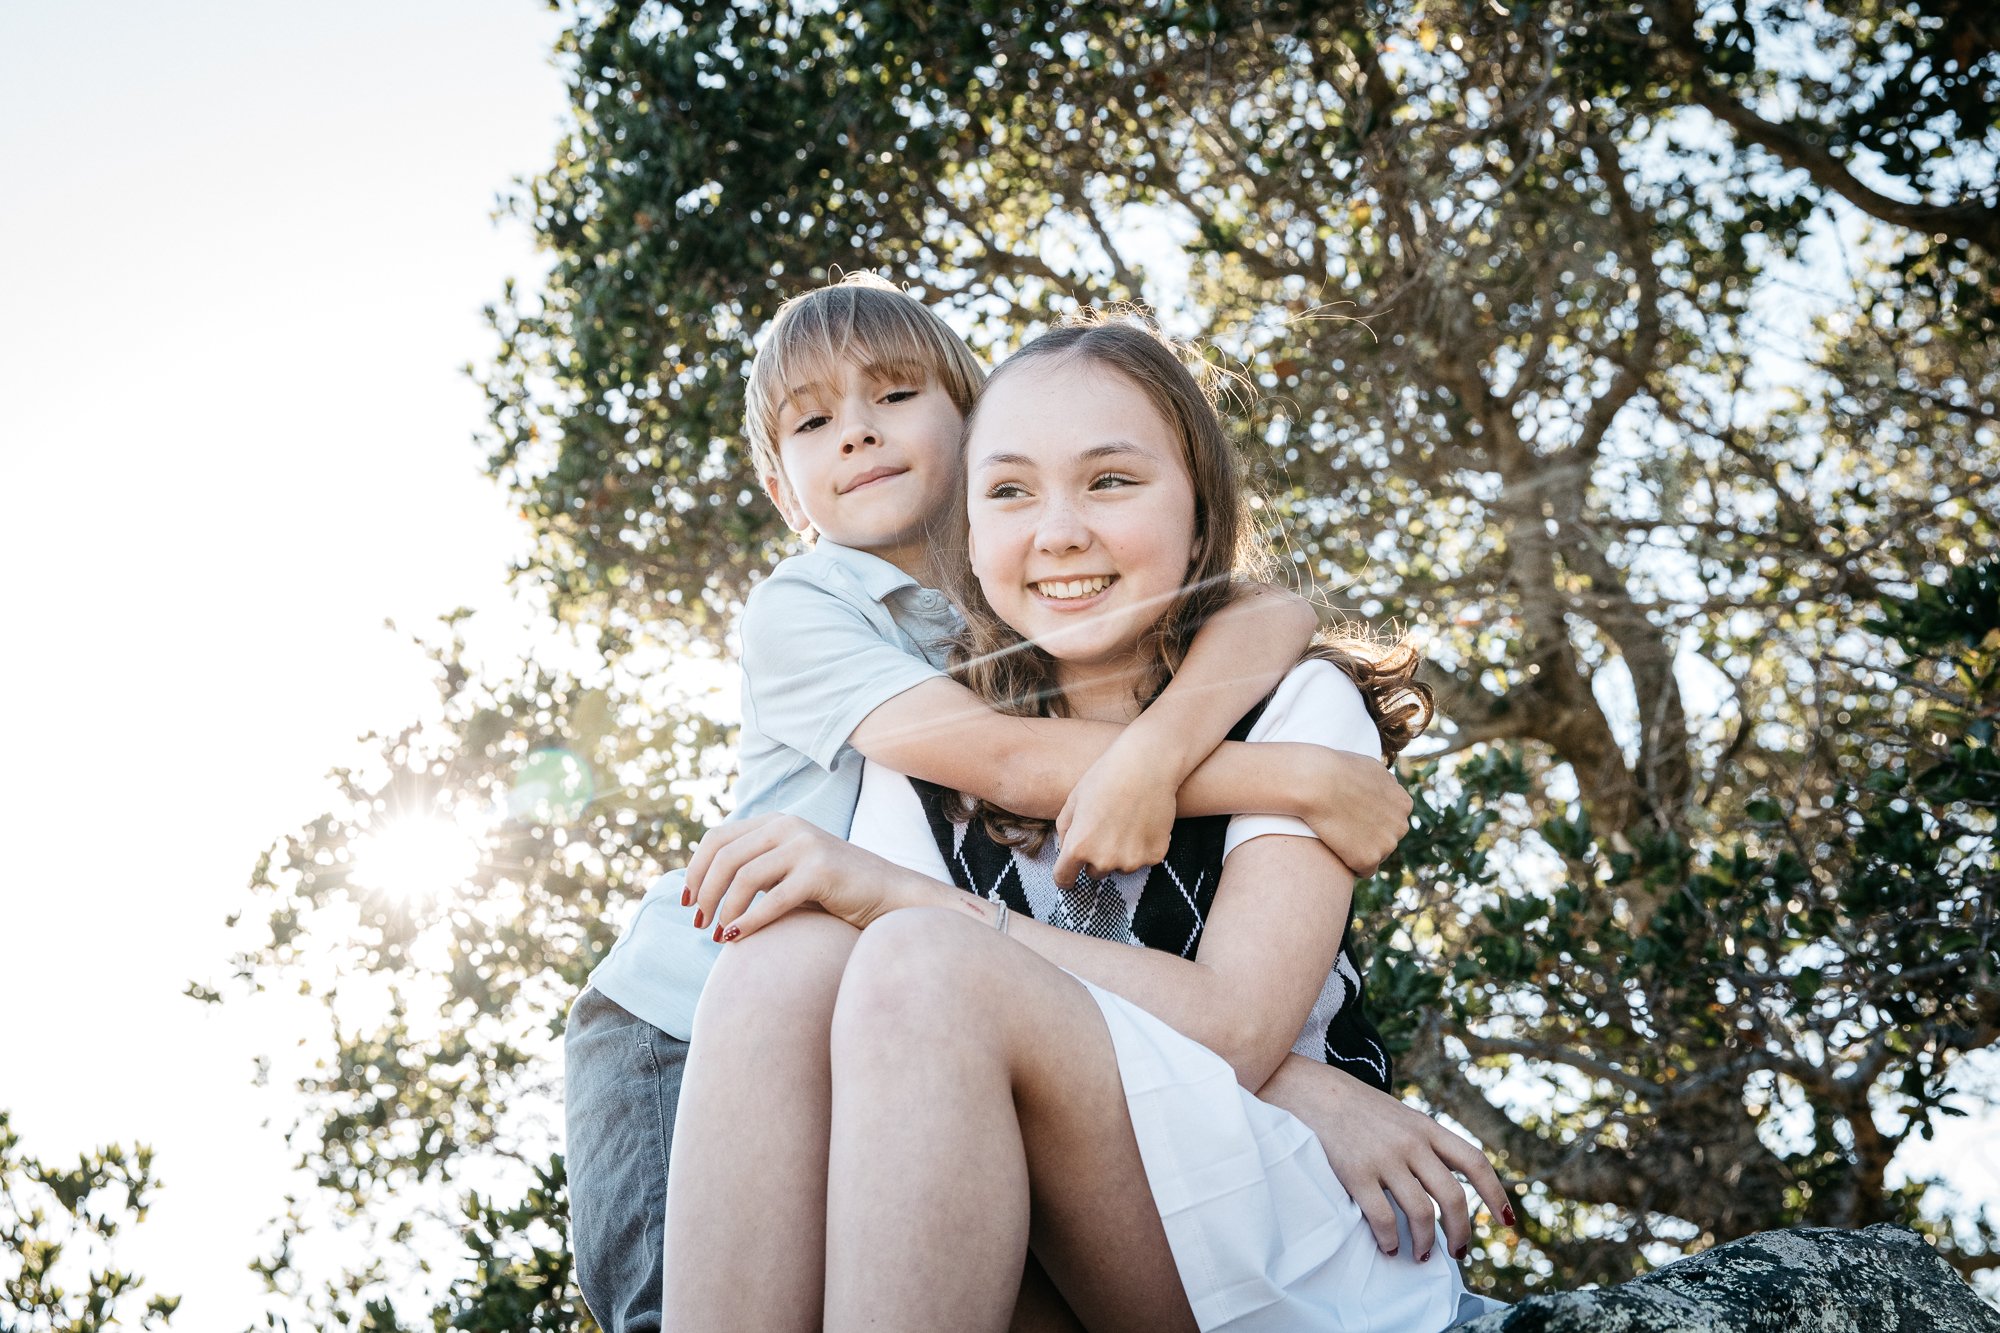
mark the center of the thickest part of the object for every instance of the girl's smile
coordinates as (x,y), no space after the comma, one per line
(1072,594)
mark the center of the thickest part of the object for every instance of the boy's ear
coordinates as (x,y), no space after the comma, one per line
(780,491)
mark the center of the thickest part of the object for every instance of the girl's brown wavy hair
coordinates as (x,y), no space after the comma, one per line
(1018,678)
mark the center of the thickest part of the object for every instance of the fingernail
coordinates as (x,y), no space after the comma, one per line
(1507,1214)
(697,918)
(1392,1251)
(1459,1254)
(718,935)
(730,934)
(1424,1258)
(687,897)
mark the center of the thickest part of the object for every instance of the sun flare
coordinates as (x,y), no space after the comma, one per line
(415,857)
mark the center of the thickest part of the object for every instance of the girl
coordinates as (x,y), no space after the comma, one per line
(983,1098)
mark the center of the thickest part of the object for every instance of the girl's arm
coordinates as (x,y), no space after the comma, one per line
(1121,812)
(1268,943)
(944,733)
(1381,1148)
(1269,940)
(1270,936)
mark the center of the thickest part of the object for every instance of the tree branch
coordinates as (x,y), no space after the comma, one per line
(1636,365)
(1581,1061)
(1802,146)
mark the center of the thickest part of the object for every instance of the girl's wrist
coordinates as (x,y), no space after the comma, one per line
(913,890)
(1316,797)
(1164,746)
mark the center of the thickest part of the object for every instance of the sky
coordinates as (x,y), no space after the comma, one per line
(243,253)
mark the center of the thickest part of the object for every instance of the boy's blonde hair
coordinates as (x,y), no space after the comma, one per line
(861,319)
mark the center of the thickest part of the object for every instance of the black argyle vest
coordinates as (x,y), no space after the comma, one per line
(1170,910)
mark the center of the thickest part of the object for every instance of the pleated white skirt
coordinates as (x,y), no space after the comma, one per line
(1264,1235)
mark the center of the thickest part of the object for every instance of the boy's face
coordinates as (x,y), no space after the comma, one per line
(868,461)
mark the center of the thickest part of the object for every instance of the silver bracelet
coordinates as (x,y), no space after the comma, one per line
(1000,922)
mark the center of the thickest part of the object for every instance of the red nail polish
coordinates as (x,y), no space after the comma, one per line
(1392,1251)
(1459,1254)
(730,934)
(1424,1258)
(697,918)
(1507,1214)
(687,897)
(718,934)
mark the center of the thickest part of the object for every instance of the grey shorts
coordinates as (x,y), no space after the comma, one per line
(621,1083)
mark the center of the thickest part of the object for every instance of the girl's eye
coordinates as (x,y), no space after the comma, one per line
(1112,479)
(1006,490)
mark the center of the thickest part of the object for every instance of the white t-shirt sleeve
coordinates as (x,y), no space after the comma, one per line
(1317,703)
(889,821)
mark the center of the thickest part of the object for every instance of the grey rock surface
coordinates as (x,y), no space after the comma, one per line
(1804,1280)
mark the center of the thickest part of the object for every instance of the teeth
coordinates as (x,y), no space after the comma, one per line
(1065,589)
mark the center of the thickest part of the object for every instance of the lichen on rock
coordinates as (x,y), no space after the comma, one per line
(1884,1279)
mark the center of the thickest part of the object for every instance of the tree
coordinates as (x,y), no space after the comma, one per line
(1642,357)
(57,1228)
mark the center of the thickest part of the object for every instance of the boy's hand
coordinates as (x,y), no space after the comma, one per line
(1375,1143)
(1358,809)
(1120,814)
(792,864)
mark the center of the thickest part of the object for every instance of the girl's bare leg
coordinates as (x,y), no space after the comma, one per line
(976,1107)
(1040,1308)
(746,1211)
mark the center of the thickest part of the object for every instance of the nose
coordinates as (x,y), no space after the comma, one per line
(858,432)
(1060,527)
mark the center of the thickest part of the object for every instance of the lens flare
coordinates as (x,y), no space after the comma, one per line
(415,858)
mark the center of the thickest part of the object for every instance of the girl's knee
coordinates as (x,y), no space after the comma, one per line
(915,969)
(785,973)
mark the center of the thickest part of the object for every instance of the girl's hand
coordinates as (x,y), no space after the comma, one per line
(1374,1143)
(1357,808)
(792,864)
(1120,814)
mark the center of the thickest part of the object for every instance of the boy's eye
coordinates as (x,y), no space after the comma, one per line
(899,395)
(811,421)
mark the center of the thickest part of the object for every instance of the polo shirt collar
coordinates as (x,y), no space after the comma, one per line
(877,577)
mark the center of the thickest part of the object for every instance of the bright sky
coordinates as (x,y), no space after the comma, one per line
(243,251)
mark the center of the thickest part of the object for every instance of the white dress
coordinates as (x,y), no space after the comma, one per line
(1263,1234)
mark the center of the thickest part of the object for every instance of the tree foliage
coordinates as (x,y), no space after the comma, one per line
(1640,357)
(58,1227)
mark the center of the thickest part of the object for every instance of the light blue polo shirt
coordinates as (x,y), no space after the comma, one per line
(827,638)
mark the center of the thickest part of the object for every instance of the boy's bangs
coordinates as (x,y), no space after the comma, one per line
(860,323)
(815,348)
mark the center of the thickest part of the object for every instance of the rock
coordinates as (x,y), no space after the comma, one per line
(1804,1280)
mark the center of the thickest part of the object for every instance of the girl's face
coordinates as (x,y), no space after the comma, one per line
(1081,510)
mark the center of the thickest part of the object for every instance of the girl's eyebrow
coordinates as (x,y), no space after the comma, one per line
(1112,448)
(1109,449)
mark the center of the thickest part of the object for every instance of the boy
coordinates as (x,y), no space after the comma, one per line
(855,407)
